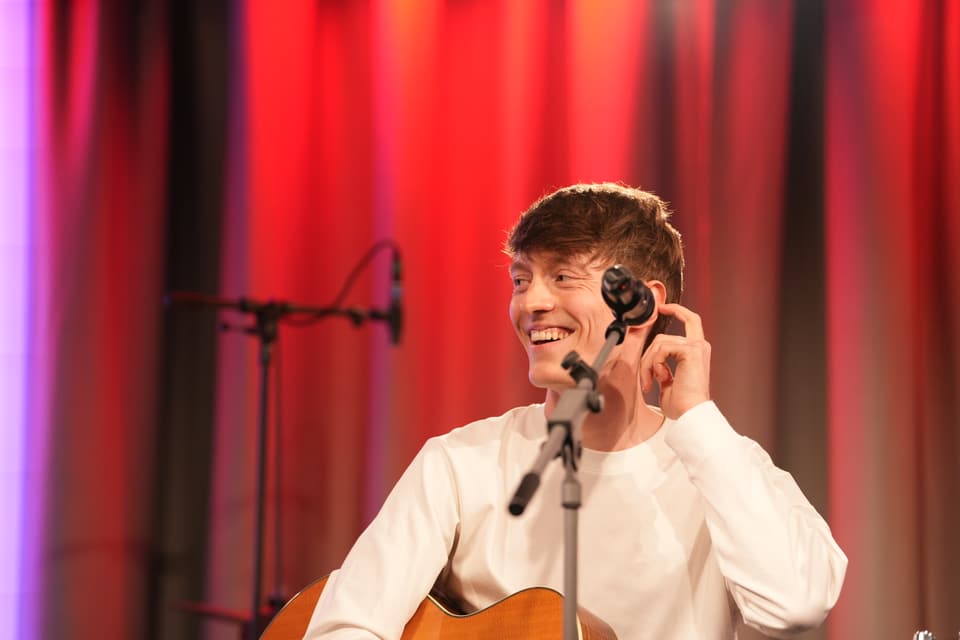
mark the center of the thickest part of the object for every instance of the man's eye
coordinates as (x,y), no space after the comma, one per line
(519,282)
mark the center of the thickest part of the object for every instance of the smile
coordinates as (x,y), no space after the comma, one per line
(551,334)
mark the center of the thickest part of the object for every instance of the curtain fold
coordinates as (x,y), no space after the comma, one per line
(437,127)
(98,232)
(259,150)
(892,316)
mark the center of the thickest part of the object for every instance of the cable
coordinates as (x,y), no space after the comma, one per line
(347,283)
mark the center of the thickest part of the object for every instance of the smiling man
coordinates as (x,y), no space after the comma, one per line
(686,529)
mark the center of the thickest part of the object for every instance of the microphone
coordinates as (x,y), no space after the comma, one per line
(628,297)
(395,313)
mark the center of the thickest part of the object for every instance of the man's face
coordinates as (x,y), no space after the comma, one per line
(557,308)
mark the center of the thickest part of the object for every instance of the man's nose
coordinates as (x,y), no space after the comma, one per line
(539,296)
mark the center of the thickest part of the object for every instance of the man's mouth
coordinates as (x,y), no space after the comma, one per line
(544,336)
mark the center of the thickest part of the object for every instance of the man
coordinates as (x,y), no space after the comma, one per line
(686,527)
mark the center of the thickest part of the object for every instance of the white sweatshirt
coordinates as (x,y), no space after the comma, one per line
(680,536)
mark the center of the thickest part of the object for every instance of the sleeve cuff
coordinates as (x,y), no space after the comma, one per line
(699,433)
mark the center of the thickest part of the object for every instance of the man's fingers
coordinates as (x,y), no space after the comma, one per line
(692,323)
(684,352)
(666,346)
(688,383)
(663,373)
(659,371)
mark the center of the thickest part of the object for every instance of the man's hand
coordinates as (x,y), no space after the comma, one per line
(689,383)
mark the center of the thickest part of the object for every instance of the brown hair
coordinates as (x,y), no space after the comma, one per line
(609,222)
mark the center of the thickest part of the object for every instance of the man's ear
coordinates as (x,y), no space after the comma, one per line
(659,292)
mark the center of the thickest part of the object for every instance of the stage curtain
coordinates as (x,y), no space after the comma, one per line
(435,127)
(97,237)
(893,273)
(809,150)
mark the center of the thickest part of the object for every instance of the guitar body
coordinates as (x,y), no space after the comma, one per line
(530,614)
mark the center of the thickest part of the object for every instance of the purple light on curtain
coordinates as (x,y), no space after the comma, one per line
(16,162)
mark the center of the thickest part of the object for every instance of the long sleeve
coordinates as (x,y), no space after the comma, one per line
(780,562)
(396,560)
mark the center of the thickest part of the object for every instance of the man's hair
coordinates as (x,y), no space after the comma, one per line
(607,222)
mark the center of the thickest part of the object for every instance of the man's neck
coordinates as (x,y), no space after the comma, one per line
(626,419)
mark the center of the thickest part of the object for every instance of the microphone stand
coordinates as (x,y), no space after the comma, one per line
(267,316)
(563,428)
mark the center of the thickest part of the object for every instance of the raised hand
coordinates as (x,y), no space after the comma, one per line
(687,384)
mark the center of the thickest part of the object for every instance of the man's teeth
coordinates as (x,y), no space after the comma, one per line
(539,336)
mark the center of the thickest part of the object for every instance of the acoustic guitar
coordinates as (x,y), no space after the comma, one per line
(534,614)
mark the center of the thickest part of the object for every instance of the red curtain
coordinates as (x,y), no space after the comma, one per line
(435,126)
(893,235)
(97,266)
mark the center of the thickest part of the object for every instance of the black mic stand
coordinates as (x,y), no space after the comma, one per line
(563,439)
(267,316)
